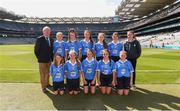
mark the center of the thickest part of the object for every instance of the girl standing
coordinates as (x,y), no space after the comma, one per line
(100,46)
(72,44)
(59,44)
(115,47)
(86,43)
(133,49)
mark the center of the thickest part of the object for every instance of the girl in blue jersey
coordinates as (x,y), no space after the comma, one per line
(115,47)
(57,73)
(106,73)
(100,46)
(72,44)
(59,44)
(86,43)
(124,71)
(73,71)
(89,66)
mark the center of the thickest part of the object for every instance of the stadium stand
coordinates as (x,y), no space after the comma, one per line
(163,40)
(164,18)
(167,14)
(14,40)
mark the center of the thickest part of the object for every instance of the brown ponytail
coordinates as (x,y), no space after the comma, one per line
(104,41)
(78,63)
(105,44)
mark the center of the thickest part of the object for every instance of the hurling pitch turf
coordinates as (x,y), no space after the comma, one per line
(28,96)
(158,82)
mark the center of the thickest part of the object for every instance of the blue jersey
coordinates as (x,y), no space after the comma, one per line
(75,45)
(59,47)
(124,68)
(72,70)
(85,45)
(115,49)
(98,48)
(57,73)
(106,68)
(89,68)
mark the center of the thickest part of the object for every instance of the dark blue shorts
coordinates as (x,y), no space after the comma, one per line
(99,58)
(106,80)
(83,57)
(89,83)
(73,84)
(115,58)
(123,83)
(58,86)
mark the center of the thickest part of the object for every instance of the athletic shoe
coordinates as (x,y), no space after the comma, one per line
(49,86)
(133,88)
(44,90)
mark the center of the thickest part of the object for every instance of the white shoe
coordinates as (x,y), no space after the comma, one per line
(133,88)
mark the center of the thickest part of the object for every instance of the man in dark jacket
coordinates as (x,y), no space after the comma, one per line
(44,53)
(133,49)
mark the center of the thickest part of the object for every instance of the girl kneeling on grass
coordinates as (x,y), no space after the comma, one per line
(73,71)
(57,73)
(89,66)
(124,71)
(106,73)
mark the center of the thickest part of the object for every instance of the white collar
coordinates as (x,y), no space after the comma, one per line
(99,43)
(71,62)
(122,61)
(86,40)
(46,38)
(106,62)
(59,65)
(71,41)
(90,60)
(59,41)
(115,43)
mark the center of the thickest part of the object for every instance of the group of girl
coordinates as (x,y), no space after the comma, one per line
(96,64)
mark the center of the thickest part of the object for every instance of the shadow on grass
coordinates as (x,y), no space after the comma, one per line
(141,99)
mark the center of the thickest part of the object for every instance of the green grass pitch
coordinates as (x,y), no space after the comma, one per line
(158,78)
(18,64)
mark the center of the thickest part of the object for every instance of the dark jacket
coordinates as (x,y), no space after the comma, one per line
(133,49)
(42,50)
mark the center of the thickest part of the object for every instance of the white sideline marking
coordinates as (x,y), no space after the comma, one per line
(14,69)
(157,70)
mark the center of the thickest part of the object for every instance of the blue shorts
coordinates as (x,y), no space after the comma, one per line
(58,86)
(115,58)
(123,83)
(73,84)
(89,83)
(99,58)
(83,57)
(106,80)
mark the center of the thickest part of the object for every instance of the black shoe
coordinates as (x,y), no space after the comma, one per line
(44,90)
(48,86)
